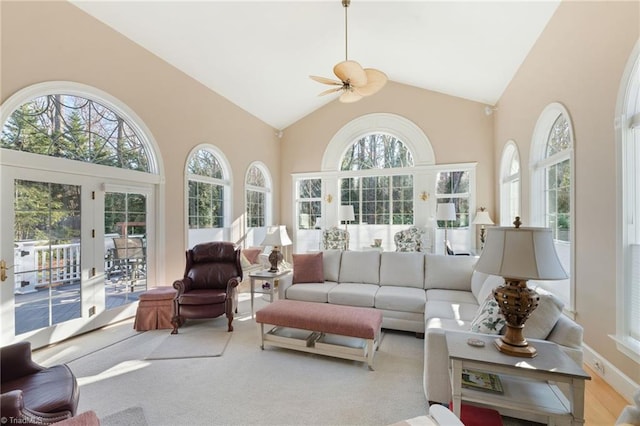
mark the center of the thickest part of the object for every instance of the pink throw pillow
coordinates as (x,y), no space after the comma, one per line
(308,268)
(252,254)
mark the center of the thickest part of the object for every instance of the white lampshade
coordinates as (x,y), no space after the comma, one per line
(521,253)
(482,218)
(277,237)
(346,213)
(446,211)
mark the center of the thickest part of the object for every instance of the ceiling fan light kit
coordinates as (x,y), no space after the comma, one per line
(355,82)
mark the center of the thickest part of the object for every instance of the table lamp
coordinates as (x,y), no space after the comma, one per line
(518,255)
(276,237)
(482,218)
(446,212)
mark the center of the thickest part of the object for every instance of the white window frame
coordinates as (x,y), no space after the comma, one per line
(510,154)
(538,165)
(627,129)
(266,190)
(213,234)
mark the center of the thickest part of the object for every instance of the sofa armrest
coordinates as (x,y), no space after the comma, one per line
(15,361)
(437,387)
(12,408)
(283,284)
(568,334)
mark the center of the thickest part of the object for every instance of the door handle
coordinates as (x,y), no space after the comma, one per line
(3,270)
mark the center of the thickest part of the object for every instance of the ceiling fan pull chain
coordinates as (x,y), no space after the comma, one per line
(345,3)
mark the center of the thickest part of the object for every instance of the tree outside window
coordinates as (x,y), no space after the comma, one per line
(383,199)
(309,202)
(256,193)
(206,191)
(453,187)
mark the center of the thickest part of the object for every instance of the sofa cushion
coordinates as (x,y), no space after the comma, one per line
(310,292)
(488,286)
(360,267)
(450,272)
(452,296)
(252,254)
(403,299)
(402,269)
(477,280)
(456,311)
(447,324)
(308,268)
(331,261)
(545,316)
(489,319)
(354,294)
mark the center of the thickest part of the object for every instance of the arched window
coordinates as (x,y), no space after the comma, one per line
(257,196)
(75,128)
(628,281)
(509,184)
(383,198)
(552,189)
(208,189)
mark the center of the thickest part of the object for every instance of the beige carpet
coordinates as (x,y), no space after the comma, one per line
(195,339)
(245,386)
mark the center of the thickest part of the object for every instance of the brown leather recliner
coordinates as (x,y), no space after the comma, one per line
(209,286)
(33,394)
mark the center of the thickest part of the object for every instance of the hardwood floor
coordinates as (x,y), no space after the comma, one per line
(602,403)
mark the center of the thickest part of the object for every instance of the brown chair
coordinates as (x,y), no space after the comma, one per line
(208,288)
(33,394)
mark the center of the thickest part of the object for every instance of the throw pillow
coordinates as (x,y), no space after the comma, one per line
(308,268)
(489,319)
(545,317)
(244,262)
(252,254)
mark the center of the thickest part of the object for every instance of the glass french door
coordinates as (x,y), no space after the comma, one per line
(125,236)
(63,269)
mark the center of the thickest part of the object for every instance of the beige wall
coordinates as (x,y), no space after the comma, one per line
(47,41)
(458,129)
(578,61)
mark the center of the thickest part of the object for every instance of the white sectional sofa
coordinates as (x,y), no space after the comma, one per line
(423,293)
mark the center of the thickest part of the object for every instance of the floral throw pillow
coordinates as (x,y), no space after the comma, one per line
(489,319)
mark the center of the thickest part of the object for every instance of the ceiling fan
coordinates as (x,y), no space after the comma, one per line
(355,82)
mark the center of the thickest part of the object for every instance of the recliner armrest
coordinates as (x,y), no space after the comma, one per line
(182,285)
(16,362)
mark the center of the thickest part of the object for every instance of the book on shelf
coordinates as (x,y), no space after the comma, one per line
(481,380)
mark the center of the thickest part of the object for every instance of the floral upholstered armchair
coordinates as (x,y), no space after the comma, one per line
(411,239)
(335,238)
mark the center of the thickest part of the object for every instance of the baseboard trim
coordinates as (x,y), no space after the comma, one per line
(612,375)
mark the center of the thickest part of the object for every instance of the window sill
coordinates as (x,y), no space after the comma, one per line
(628,346)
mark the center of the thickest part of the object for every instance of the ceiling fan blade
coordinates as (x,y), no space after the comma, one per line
(349,96)
(326,92)
(375,81)
(352,72)
(325,80)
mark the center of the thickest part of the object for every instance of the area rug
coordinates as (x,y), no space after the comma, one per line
(194,340)
(133,416)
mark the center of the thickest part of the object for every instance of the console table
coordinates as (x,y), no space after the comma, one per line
(529,384)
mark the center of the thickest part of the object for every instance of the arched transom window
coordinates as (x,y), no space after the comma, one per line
(75,128)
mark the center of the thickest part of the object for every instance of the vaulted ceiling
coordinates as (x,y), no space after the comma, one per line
(259,54)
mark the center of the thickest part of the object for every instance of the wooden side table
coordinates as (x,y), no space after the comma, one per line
(266,277)
(529,383)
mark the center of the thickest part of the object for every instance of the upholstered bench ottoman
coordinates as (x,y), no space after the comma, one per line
(335,330)
(155,309)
